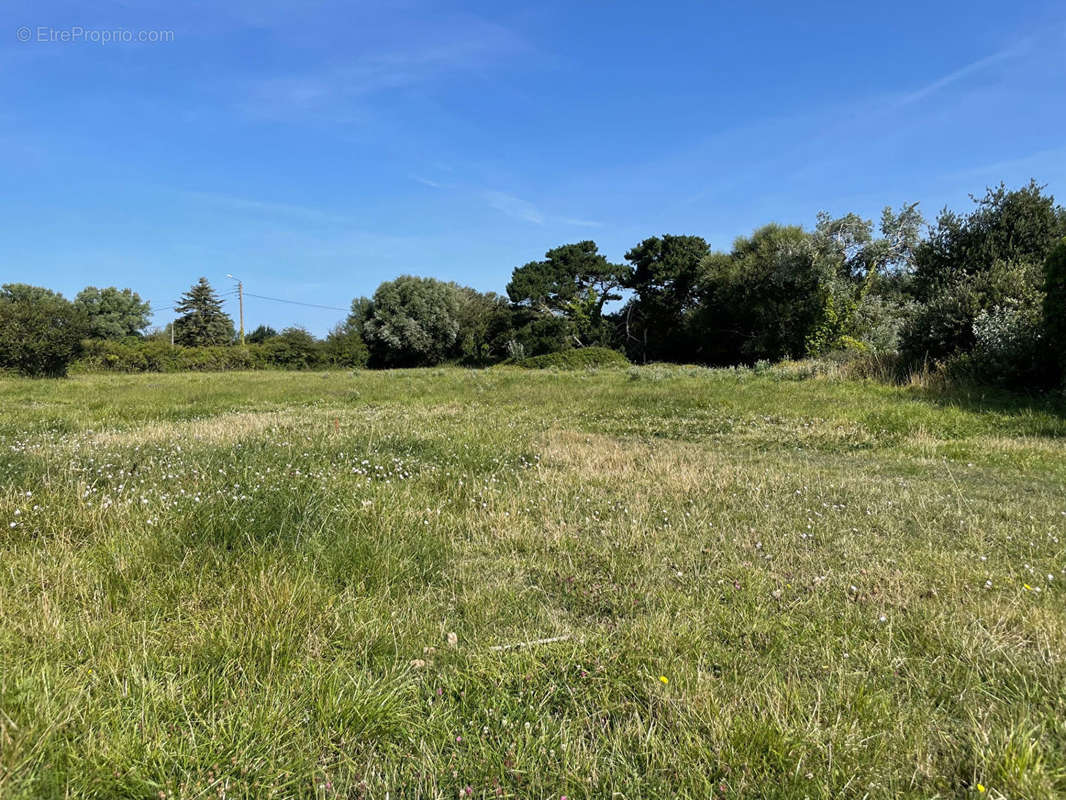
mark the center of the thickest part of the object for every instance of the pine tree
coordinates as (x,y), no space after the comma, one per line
(202,321)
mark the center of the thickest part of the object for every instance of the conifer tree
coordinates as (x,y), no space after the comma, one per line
(202,321)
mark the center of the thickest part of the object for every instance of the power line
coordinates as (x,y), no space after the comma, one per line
(293,302)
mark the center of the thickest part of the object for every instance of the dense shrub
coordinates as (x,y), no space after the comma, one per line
(537,334)
(101,355)
(150,355)
(40,331)
(1055,305)
(344,347)
(980,283)
(1009,346)
(215,359)
(288,350)
(293,348)
(944,325)
(879,320)
(577,358)
(941,327)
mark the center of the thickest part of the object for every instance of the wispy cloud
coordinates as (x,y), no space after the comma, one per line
(1041,162)
(524,211)
(460,46)
(427,182)
(291,210)
(514,207)
(961,74)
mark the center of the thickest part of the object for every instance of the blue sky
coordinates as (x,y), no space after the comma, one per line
(318,148)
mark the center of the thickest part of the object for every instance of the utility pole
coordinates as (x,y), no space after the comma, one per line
(240,300)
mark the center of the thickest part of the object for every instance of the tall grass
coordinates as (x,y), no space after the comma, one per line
(655,582)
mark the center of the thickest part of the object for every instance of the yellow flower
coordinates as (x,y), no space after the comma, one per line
(1028,588)
(664,679)
(980,788)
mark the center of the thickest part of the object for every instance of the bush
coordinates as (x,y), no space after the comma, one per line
(878,322)
(944,326)
(344,347)
(146,355)
(1055,304)
(578,358)
(537,334)
(1009,348)
(216,358)
(291,351)
(516,351)
(293,348)
(40,331)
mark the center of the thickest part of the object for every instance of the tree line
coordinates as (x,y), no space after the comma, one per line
(980,294)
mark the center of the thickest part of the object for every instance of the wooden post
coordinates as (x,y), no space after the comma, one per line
(240,297)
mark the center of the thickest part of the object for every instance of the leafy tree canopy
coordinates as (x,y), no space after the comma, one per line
(667,268)
(852,262)
(113,313)
(763,299)
(1014,226)
(414,322)
(664,275)
(485,324)
(571,277)
(361,309)
(978,264)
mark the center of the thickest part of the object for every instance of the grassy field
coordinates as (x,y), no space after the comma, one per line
(337,585)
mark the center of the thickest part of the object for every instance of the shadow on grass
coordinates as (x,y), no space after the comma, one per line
(1042,414)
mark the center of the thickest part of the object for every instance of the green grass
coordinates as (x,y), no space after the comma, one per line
(245,584)
(576,358)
